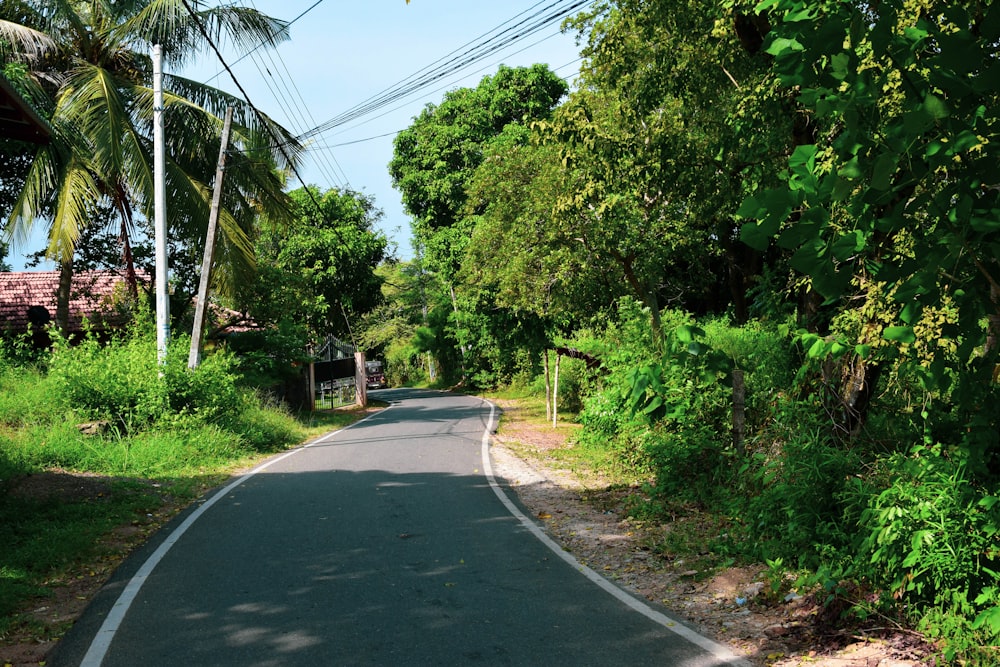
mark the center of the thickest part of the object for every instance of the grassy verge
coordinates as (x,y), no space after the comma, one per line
(72,506)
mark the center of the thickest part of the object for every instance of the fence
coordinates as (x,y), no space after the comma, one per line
(335,393)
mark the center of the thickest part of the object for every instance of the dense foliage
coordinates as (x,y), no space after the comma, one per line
(798,194)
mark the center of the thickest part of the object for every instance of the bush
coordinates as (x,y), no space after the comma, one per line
(930,532)
(118,381)
(930,539)
(797,489)
(209,391)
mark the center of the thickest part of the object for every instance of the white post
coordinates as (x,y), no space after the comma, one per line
(555,393)
(360,380)
(160,210)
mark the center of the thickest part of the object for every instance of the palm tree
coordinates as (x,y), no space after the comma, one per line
(88,63)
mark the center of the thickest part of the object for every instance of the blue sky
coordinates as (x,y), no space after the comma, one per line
(343,53)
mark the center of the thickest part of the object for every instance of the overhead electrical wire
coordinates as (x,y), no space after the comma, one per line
(280,145)
(395,132)
(457,61)
(298,111)
(440,88)
(259,46)
(510,32)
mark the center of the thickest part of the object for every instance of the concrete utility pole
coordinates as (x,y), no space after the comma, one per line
(194,357)
(160,210)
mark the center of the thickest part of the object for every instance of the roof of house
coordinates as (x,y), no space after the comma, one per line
(31,296)
(17,119)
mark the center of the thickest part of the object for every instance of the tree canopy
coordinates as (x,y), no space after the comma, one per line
(319,270)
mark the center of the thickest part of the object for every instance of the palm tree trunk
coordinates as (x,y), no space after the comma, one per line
(63,295)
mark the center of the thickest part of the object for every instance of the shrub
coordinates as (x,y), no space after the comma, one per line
(118,381)
(930,532)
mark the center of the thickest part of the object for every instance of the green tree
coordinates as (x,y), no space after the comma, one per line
(89,65)
(319,270)
(660,145)
(433,162)
(898,191)
(436,156)
(520,250)
(389,331)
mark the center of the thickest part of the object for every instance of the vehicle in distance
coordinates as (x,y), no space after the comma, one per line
(374,375)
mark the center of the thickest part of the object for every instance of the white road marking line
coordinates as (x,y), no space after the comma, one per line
(102,640)
(717,650)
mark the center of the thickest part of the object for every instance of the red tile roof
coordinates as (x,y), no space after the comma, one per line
(90,296)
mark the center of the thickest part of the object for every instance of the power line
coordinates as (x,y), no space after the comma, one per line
(264,42)
(298,111)
(479,51)
(390,134)
(499,38)
(263,119)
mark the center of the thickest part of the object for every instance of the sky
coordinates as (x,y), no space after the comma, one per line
(342,54)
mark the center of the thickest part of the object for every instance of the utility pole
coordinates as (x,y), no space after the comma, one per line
(160,210)
(194,357)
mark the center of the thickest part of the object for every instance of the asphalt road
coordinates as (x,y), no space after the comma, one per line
(382,544)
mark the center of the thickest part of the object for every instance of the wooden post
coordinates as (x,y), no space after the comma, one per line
(194,356)
(312,386)
(739,411)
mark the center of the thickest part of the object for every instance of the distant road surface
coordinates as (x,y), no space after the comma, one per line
(386,543)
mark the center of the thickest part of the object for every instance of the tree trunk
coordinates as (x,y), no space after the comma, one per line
(63,295)
(993,331)
(859,381)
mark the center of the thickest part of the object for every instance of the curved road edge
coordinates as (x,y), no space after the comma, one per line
(98,648)
(717,650)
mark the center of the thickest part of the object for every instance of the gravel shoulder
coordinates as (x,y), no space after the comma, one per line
(584,515)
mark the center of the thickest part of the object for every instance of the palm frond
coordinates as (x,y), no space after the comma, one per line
(253,128)
(31,202)
(21,43)
(92,101)
(78,193)
(170,24)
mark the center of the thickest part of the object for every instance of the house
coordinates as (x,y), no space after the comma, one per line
(18,120)
(29,298)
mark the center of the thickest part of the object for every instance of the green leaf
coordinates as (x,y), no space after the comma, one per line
(936,107)
(803,156)
(986,224)
(989,502)
(655,404)
(840,66)
(884,170)
(818,349)
(848,245)
(686,333)
(989,618)
(784,45)
(900,334)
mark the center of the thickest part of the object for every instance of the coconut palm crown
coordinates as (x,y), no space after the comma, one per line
(87,65)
